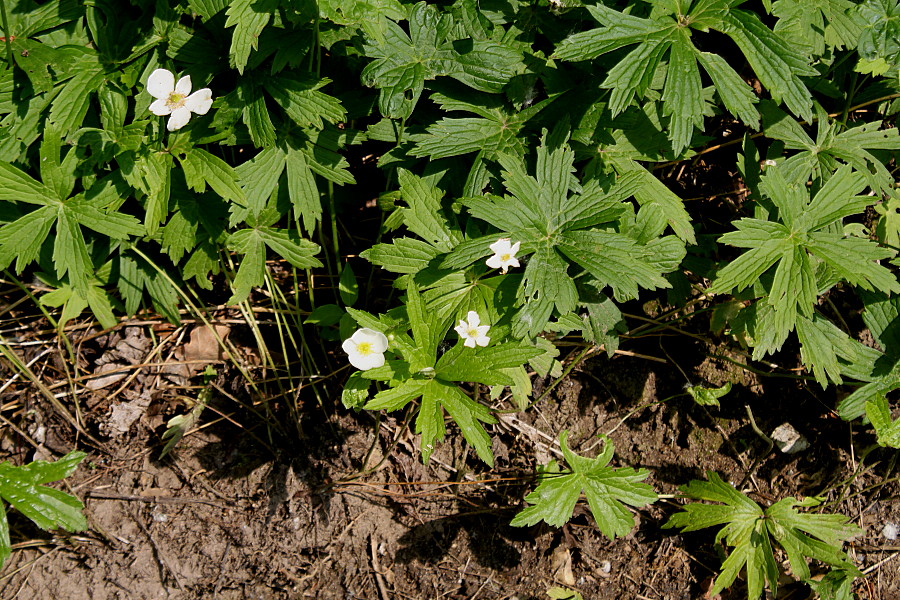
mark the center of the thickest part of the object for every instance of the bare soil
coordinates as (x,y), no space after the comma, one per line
(293,496)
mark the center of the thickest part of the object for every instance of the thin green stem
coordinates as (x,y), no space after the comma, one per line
(7,35)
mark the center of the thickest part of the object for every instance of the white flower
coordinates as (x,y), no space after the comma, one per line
(366,348)
(504,255)
(472,331)
(176,99)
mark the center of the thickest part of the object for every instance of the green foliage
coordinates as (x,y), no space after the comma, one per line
(421,373)
(888,430)
(179,425)
(570,129)
(667,34)
(797,252)
(608,490)
(23,488)
(751,530)
(708,396)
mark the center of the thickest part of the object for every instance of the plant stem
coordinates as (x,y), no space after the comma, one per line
(6,33)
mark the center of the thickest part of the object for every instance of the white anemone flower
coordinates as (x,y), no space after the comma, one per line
(472,331)
(504,255)
(175,99)
(366,348)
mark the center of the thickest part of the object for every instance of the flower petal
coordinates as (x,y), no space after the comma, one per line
(501,246)
(160,108)
(200,101)
(494,261)
(349,346)
(369,361)
(483,340)
(377,339)
(470,342)
(183,87)
(161,83)
(180,117)
(515,248)
(474,319)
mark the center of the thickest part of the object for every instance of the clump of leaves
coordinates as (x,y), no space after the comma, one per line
(752,532)
(608,491)
(435,378)
(22,487)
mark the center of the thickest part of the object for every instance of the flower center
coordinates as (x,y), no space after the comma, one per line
(175,100)
(364,348)
(504,257)
(472,332)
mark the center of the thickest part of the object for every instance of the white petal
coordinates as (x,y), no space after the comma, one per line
(461,329)
(494,261)
(512,262)
(183,87)
(349,346)
(483,340)
(376,339)
(200,101)
(515,248)
(501,246)
(160,108)
(161,83)
(469,343)
(180,117)
(474,319)
(369,361)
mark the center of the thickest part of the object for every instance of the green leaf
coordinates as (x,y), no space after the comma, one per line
(879,39)
(356,392)
(608,491)
(834,145)
(402,255)
(347,285)
(424,215)
(302,190)
(259,177)
(22,487)
(466,413)
(708,396)
(751,531)
(814,24)
(16,186)
(68,109)
(298,95)
(179,425)
(402,62)
(249,18)
(653,191)
(777,65)
(135,276)
(202,168)
(70,254)
(667,33)
(888,430)
(484,365)
(22,239)
(252,244)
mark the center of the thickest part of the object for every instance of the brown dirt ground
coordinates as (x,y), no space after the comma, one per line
(245,510)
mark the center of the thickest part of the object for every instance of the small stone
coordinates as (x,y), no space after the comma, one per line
(890,531)
(789,439)
(605,569)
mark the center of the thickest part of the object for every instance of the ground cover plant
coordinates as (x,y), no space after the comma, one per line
(524,160)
